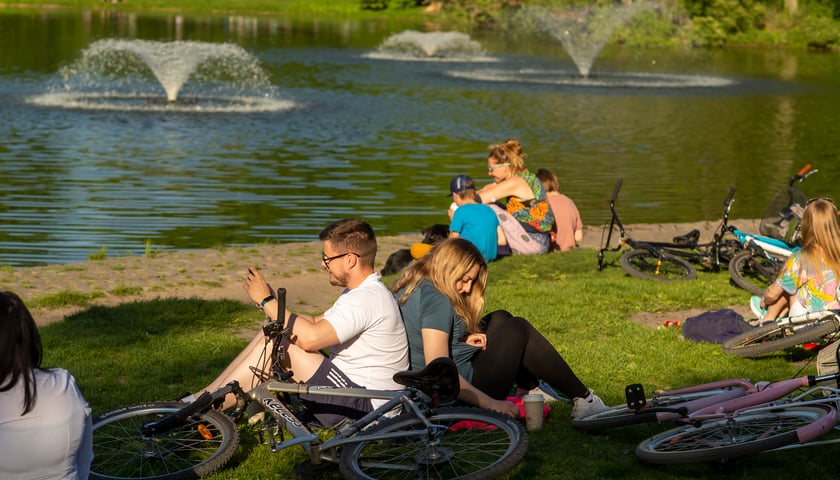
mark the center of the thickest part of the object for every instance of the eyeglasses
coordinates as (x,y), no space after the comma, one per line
(490,168)
(327,260)
(827,199)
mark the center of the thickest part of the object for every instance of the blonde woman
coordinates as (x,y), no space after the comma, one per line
(519,199)
(808,282)
(441,297)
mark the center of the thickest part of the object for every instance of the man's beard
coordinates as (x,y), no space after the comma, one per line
(338,281)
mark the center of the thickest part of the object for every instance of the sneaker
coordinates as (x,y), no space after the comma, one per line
(755,306)
(587,406)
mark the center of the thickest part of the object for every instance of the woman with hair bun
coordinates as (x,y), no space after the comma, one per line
(519,199)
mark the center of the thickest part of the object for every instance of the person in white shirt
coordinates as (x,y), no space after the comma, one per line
(45,423)
(363,329)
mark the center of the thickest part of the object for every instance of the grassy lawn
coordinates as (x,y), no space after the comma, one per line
(156,350)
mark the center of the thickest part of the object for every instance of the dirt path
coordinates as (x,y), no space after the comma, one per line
(218,274)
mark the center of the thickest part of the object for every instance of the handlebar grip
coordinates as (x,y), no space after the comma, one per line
(617,188)
(281,300)
(804,170)
(730,195)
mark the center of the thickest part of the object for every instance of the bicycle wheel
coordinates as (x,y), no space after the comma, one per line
(753,272)
(640,263)
(742,434)
(771,338)
(620,415)
(463,442)
(201,446)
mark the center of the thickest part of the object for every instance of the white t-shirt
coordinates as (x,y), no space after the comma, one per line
(54,439)
(373,344)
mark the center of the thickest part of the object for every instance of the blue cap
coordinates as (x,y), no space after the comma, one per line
(460,183)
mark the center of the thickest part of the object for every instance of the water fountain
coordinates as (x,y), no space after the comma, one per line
(583,31)
(115,74)
(430,46)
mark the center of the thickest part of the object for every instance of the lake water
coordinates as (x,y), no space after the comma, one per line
(353,133)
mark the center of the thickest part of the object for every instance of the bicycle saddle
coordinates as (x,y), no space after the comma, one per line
(689,239)
(439,379)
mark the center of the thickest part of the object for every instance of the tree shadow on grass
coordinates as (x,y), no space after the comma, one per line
(147,350)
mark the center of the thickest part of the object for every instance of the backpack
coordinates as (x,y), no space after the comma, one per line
(715,326)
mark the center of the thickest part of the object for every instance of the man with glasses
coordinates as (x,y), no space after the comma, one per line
(363,329)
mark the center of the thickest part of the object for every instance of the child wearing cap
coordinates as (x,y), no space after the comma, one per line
(474,221)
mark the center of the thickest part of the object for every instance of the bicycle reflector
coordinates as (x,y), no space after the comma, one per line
(204,431)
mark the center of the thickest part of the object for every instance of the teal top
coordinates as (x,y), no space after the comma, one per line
(426,307)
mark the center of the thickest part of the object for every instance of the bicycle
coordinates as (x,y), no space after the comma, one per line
(411,434)
(668,261)
(763,421)
(763,256)
(784,332)
(707,416)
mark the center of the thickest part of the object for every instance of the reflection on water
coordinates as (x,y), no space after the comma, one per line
(359,136)
(133,102)
(602,80)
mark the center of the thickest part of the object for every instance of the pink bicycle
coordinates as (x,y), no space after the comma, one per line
(726,419)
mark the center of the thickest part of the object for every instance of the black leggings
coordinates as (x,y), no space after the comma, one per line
(517,352)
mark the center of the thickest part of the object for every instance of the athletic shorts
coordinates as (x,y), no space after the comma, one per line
(331,410)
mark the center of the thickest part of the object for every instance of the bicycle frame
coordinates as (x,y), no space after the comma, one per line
(264,394)
(767,399)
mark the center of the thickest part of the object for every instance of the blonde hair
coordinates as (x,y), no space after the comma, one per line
(509,152)
(821,236)
(444,265)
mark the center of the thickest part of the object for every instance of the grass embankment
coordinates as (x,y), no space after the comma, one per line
(158,349)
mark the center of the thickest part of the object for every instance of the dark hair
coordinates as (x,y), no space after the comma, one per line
(20,348)
(549,180)
(352,235)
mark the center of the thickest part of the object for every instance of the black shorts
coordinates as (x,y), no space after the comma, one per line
(330,410)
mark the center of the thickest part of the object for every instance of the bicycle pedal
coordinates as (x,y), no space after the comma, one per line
(635,396)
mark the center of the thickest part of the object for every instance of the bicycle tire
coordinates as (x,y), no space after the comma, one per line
(742,434)
(641,263)
(120,451)
(489,445)
(621,415)
(753,272)
(771,338)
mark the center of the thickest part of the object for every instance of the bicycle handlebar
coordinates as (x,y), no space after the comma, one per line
(615,192)
(804,170)
(729,196)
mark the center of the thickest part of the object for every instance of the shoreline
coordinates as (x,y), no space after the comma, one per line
(216,274)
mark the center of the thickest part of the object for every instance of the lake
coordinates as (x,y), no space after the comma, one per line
(324,126)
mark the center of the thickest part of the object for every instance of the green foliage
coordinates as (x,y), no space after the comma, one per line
(815,30)
(374,4)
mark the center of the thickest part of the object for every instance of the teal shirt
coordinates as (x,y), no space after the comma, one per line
(428,308)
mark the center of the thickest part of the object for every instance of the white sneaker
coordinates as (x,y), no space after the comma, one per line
(755,306)
(587,406)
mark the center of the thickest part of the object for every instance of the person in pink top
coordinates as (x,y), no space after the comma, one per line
(567,231)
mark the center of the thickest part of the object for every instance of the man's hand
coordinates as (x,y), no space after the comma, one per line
(256,286)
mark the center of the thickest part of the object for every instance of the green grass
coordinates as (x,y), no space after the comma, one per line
(158,349)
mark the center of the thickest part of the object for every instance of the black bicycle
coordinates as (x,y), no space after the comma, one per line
(668,261)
